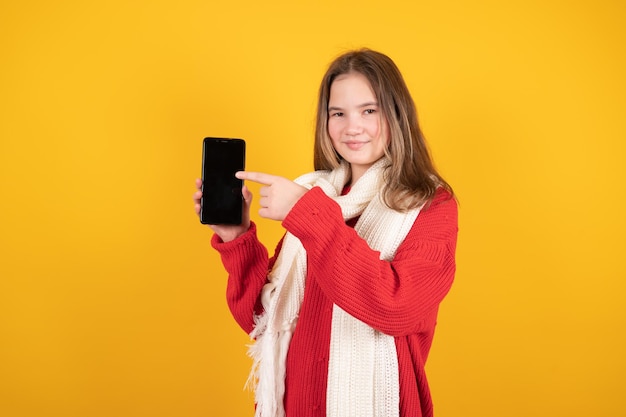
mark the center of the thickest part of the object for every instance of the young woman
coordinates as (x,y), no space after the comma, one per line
(344,319)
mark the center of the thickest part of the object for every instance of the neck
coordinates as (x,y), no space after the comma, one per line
(356,172)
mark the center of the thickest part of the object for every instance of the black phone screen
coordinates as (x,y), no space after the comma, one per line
(222,201)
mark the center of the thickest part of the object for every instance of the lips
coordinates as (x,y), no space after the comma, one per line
(355,145)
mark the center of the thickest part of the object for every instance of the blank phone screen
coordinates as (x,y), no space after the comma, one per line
(222,200)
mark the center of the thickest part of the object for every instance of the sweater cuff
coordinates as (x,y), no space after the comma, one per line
(238,245)
(314,214)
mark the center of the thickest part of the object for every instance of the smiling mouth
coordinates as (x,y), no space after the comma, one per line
(354,145)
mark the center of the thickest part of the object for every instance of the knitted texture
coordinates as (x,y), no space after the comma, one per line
(363,370)
(363,375)
(398,297)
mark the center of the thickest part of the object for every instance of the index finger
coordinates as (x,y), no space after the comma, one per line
(258,177)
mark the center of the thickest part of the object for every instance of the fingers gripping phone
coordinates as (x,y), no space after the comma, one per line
(222,200)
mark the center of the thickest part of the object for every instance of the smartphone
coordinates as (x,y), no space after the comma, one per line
(222,200)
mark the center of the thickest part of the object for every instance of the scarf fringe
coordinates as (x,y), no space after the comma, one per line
(268,365)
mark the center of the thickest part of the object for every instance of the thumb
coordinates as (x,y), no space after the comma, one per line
(247,202)
(247,195)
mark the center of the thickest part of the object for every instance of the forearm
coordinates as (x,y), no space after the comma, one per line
(394,297)
(246,261)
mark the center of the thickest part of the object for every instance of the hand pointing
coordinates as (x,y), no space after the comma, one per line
(278,196)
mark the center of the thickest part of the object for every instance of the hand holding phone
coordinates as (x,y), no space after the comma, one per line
(222,201)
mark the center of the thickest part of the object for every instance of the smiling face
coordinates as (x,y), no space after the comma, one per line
(356,126)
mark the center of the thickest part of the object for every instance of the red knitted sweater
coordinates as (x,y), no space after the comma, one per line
(400,298)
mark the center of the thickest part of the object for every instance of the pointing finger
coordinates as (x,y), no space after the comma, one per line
(258,177)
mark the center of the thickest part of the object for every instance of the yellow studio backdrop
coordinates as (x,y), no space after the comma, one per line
(112,302)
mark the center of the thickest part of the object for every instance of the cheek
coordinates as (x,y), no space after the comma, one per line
(333,130)
(375,129)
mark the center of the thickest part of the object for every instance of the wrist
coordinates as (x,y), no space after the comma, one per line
(229,233)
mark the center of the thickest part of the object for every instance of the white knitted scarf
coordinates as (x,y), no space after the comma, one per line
(363,377)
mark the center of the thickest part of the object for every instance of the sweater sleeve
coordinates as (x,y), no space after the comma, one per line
(396,297)
(246,262)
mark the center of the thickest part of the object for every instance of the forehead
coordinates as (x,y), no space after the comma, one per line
(353,85)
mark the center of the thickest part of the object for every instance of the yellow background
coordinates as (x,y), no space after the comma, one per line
(111,299)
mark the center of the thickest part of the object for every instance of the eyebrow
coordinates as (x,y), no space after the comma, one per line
(366,104)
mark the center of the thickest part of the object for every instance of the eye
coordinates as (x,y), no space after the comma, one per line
(369,111)
(336,114)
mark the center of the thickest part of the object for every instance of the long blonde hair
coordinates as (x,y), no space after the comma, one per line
(411,178)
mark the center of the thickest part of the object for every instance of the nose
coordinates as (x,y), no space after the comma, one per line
(354,126)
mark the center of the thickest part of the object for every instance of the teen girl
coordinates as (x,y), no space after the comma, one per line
(343,314)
